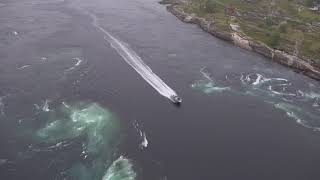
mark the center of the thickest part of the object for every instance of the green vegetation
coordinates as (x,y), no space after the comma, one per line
(288,25)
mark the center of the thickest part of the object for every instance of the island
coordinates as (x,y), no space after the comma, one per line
(285,31)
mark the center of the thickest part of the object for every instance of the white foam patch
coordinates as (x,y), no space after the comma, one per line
(253,79)
(298,104)
(142,135)
(77,63)
(312,95)
(45,106)
(120,169)
(300,116)
(208,85)
(282,90)
(65,105)
(23,67)
(90,119)
(99,131)
(271,86)
(302,105)
(145,142)
(256,79)
(135,61)
(205,74)
(44,58)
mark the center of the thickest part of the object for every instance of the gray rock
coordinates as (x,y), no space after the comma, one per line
(261,49)
(188,19)
(297,63)
(204,24)
(179,14)
(170,2)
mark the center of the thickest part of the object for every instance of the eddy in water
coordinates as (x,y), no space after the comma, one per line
(300,105)
(99,131)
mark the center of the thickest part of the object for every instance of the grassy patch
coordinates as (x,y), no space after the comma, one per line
(282,24)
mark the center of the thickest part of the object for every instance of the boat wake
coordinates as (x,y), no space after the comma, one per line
(131,57)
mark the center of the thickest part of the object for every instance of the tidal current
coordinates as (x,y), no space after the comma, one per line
(72,109)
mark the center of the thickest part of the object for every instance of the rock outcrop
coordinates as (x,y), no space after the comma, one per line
(240,41)
(172,1)
(261,49)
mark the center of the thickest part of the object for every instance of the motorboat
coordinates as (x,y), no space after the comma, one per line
(175,99)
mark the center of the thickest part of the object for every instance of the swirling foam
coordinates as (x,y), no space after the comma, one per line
(207,85)
(99,128)
(300,105)
(142,135)
(120,169)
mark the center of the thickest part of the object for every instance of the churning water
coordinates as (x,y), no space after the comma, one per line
(71,110)
(302,105)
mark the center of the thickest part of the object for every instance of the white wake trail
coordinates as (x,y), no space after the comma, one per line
(135,61)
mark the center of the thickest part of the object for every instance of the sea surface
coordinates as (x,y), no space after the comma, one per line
(85,90)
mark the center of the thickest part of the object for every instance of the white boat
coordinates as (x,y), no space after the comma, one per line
(175,99)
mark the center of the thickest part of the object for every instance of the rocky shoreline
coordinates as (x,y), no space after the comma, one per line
(308,67)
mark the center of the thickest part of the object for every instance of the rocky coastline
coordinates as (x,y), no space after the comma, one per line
(301,65)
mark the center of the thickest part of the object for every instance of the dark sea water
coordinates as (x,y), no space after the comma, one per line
(84,88)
